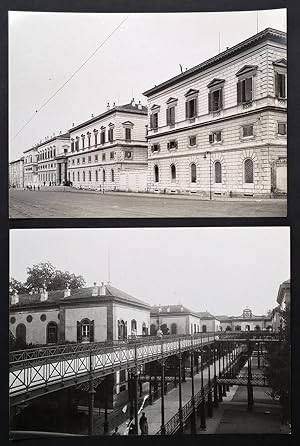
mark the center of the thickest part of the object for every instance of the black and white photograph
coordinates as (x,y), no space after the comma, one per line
(149,331)
(147,115)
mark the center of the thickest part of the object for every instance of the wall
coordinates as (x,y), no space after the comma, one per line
(96,313)
(181,321)
(36,330)
(127,313)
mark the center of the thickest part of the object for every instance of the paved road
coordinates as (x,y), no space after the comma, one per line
(44,204)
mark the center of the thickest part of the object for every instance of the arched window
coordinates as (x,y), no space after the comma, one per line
(78,176)
(103,176)
(204,328)
(193,173)
(228,328)
(156,174)
(85,331)
(90,175)
(247,327)
(238,328)
(218,172)
(257,327)
(144,329)
(21,333)
(52,333)
(152,330)
(83,176)
(112,175)
(96,172)
(173,328)
(122,330)
(133,325)
(173,172)
(248,171)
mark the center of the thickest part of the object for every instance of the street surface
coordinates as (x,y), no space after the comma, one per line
(76,204)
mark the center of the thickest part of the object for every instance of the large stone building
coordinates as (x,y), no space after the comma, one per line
(30,167)
(219,128)
(109,151)
(16,173)
(51,160)
(175,319)
(209,322)
(247,321)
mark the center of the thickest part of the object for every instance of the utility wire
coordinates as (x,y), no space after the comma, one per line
(68,80)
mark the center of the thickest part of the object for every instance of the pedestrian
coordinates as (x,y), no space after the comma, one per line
(116,431)
(144,424)
(159,334)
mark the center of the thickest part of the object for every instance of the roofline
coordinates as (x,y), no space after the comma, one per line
(266,34)
(109,112)
(63,136)
(179,313)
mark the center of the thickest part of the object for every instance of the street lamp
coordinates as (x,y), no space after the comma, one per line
(205,156)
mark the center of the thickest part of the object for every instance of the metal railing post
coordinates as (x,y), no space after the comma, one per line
(202,407)
(91,398)
(163,427)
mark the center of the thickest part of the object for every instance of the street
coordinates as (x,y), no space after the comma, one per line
(76,204)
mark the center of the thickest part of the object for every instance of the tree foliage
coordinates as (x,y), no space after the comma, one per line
(46,275)
(278,365)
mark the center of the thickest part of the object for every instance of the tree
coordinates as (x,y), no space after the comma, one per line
(46,275)
(278,366)
(16,287)
(164,329)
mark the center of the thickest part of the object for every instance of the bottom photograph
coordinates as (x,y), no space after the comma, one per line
(153,331)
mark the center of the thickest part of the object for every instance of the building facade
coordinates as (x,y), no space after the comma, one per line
(109,151)
(16,173)
(209,322)
(247,321)
(52,160)
(174,319)
(220,128)
(30,168)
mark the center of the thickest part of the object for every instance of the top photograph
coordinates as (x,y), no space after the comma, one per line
(150,115)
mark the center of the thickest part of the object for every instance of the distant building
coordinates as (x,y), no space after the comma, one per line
(284,294)
(16,173)
(209,323)
(247,321)
(176,319)
(109,151)
(30,167)
(220,128)
(52,160)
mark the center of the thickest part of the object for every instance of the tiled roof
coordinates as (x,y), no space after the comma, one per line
(267,33)
(172,309)
(206,315)
(115,292)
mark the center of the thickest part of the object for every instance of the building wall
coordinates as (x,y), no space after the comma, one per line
(16,173)
(127,314)
(211,325)
(262,323)
(30,167)
(36,330)
(194,324)
(47,167)
(264,148)
(96,313)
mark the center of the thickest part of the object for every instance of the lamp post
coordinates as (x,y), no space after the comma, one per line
(205,156)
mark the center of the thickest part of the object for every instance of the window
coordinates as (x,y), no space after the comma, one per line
(72,145)
(192,140)
(281,128)
(112,175)
(173,328)
(103,176)
(144,329)
(102,137)
(218,172)
(173,173)
(78,160)
(89,139)
(245,90)
(193,173)
(83,176)
(248,171)
(133,325)
(191,108)
(21,332)
(228,328)
(112,155)
(171,115)
(128,134)
(215,100)
(78,176)
(83,160)
(156,174)
(247,131)
(280,90)
(77,144)
(103,156)
(96,138)
(85,331)
(215,137)
(204,328)
(89,159)
(155,148)
(172,144)
(127,155)
(82,137)
(154,120)
(110,134)
(122,330)
(96,173)
(96,157)
(73,176)
(52,333)
(29,318)
(90,175)
(238,328)
(73,161)
(12,320)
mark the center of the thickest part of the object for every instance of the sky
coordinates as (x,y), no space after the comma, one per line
(45,49)
(220,270)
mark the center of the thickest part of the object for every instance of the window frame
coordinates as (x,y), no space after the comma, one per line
(245,174)
(218,175)
(173,176)
(243,127)
(193,175)
(285,128)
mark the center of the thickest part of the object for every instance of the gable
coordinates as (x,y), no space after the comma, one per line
(170,100)
(246,69)
(191,91)
(280,63)
(215,82)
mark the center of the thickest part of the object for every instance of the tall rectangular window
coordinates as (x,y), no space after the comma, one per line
(245,90)
(128,134)
(154,120)
(280,80)
(191,108)
(247,130)
(171,115)
(110,135)
(215,100)
(96,139)
(103,137)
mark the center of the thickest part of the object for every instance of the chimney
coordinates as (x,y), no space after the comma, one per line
(139,105)
(133,102)
(15,298)
(108,106)
(67,292)
(95,291)
(102,289)
(92,115)
(72,124)
(114,104)
(44,295)
(181,309)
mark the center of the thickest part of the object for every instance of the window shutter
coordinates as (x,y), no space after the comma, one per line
(78,331)
(210,102)
(248,89)
(168,116)
(151,121)
(276,85)
(283,85)
(168,146)
(196,107)
(92,331)
(221,98)
(187,110)
(239,92)
(125,330)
